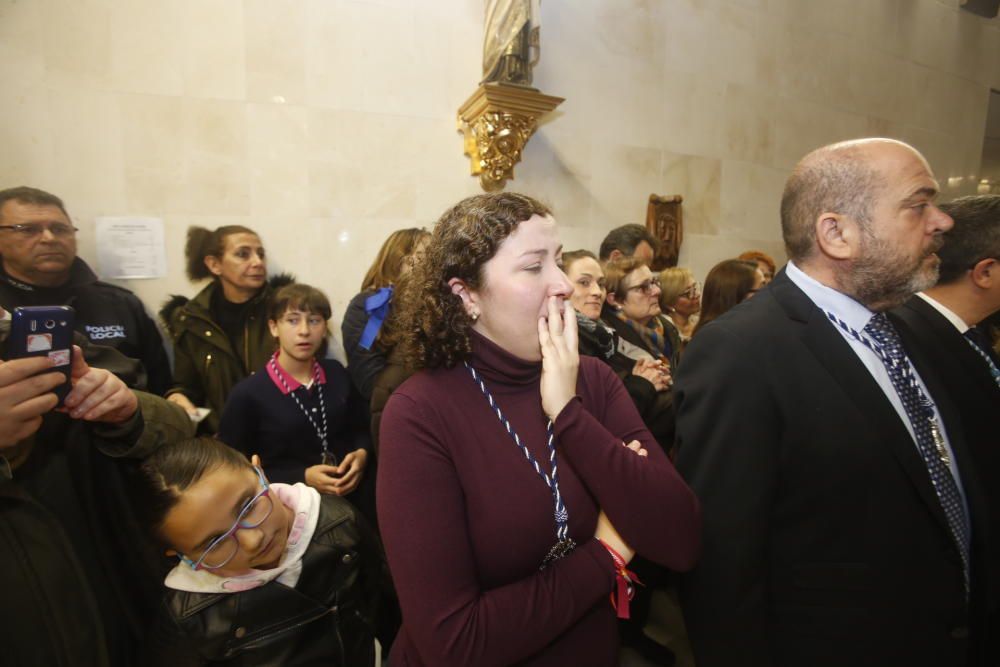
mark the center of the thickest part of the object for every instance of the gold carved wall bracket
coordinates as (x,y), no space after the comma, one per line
(497,121)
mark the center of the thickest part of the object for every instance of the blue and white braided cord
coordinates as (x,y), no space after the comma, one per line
(994,371)
(552,481)
(945,486)
(887,360)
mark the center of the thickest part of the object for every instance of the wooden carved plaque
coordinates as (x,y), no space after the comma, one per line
(665,221)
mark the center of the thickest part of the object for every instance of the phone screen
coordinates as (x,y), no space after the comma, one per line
(38,331)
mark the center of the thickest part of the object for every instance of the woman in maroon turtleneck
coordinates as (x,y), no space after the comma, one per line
(493,555)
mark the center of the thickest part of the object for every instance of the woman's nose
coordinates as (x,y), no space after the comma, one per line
(561,286)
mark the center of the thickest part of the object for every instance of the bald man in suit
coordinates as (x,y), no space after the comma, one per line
(843,521)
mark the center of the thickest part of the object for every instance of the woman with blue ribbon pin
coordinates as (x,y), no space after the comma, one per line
(368,310)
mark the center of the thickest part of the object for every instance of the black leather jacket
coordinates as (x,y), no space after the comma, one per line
(327,619)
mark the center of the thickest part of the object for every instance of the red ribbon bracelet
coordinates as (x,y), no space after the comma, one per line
(624,579)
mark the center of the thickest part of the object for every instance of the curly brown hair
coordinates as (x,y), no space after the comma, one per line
(432,323)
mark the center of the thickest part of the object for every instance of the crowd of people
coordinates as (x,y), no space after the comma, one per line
(525,442)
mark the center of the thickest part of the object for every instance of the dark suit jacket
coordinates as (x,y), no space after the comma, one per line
(824,541)
(968,381)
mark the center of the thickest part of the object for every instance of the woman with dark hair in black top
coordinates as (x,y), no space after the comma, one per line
(220,336)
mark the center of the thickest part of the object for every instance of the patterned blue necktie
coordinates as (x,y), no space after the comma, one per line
(973,337)
(930,442)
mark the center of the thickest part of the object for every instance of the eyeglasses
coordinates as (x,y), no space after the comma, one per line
(223,548)
(692,291)
(33,229)
(646,286)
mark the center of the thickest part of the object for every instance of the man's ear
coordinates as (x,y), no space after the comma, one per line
(615,255)
(986,273)
(255,460)
(613,299)
(213,264)
(837,236)
(467,295)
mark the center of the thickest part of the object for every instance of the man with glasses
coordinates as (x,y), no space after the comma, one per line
(39,267)
(942,322)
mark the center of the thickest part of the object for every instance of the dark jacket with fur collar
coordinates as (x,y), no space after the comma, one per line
(106,314)
(206,364)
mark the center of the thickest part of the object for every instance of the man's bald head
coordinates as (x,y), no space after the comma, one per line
(841,178)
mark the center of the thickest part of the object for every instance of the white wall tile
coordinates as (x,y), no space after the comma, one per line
(214,62)
(147,44)
(327,124)
(275,47)
(21,31)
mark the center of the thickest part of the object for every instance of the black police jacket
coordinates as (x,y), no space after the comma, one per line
(106,314)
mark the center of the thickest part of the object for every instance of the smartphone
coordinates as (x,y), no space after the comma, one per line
(44,331)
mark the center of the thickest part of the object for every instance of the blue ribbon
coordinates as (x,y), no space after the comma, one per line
(377,307)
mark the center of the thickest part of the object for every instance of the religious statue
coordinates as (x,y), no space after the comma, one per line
(512,33)
(664,220)
(503,112)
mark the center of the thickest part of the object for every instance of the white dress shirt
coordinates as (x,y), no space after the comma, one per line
(946,312)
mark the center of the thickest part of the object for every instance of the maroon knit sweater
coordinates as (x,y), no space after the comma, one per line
(467,521)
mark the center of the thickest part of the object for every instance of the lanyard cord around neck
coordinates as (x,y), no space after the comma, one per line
(994,371)
(321,433)
(926,405)
(551,480)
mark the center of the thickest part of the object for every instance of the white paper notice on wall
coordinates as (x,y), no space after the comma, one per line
(131,248)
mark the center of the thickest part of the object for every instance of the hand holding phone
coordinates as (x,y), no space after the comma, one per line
(98,395)
(44,331)
(25,395)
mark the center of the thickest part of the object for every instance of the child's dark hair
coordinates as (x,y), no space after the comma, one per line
(299,296)
(306,298)
(156,483)
(202,243)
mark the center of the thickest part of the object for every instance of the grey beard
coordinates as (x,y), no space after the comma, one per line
(880,281)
